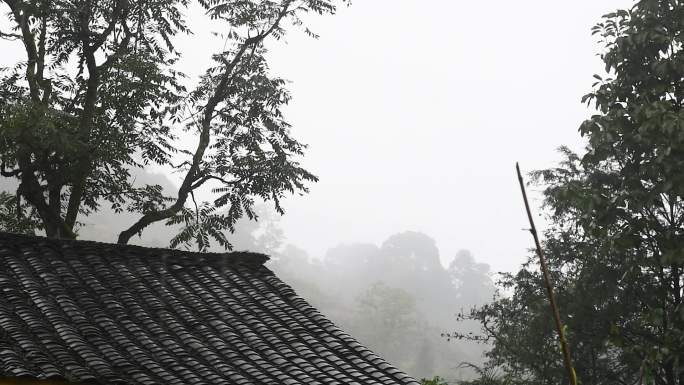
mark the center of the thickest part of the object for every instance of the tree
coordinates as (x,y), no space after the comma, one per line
(415,249)
(471,279)
(387,321)
(617,240)
(97,95)
(411,261)
(11,221)
(425,359)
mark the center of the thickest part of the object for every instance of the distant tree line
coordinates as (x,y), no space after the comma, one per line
(396,298)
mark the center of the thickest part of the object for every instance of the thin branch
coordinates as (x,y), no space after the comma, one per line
(42,41)
(206,178)
(120,50)
(184,163)
(192,195)
(9,36)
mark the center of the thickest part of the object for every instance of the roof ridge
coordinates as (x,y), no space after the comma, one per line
(242,257)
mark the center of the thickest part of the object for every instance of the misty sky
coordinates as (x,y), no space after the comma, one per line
(416,111)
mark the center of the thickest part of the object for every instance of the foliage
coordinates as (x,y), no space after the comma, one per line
(16,220)
(98,96)
(471,278)
(354,284)
(433,381)
(617,240)
(390,314)
(75,111)
(486,376)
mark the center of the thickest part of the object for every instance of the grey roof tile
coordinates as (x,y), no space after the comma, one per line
(111,314)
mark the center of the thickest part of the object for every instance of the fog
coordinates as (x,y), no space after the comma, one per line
(415,113)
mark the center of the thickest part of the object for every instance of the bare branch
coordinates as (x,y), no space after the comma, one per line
(9,36)
(184,163)
(207,178)
(192,194)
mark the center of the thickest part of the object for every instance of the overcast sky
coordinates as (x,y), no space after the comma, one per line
(416,111)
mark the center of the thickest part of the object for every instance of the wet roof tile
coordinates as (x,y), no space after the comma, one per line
(109,314)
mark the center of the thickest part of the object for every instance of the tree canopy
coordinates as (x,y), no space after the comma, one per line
(616,244)
(396,298)
(98,95)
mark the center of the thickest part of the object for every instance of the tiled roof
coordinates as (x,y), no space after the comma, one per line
(103,313)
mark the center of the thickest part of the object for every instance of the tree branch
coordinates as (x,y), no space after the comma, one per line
(192,195)
(205,134)
(9,36)
(101,38)
(207,178)
(85,125)
(120,50)
(21,18)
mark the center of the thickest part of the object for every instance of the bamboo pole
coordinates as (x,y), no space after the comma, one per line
(549,288)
